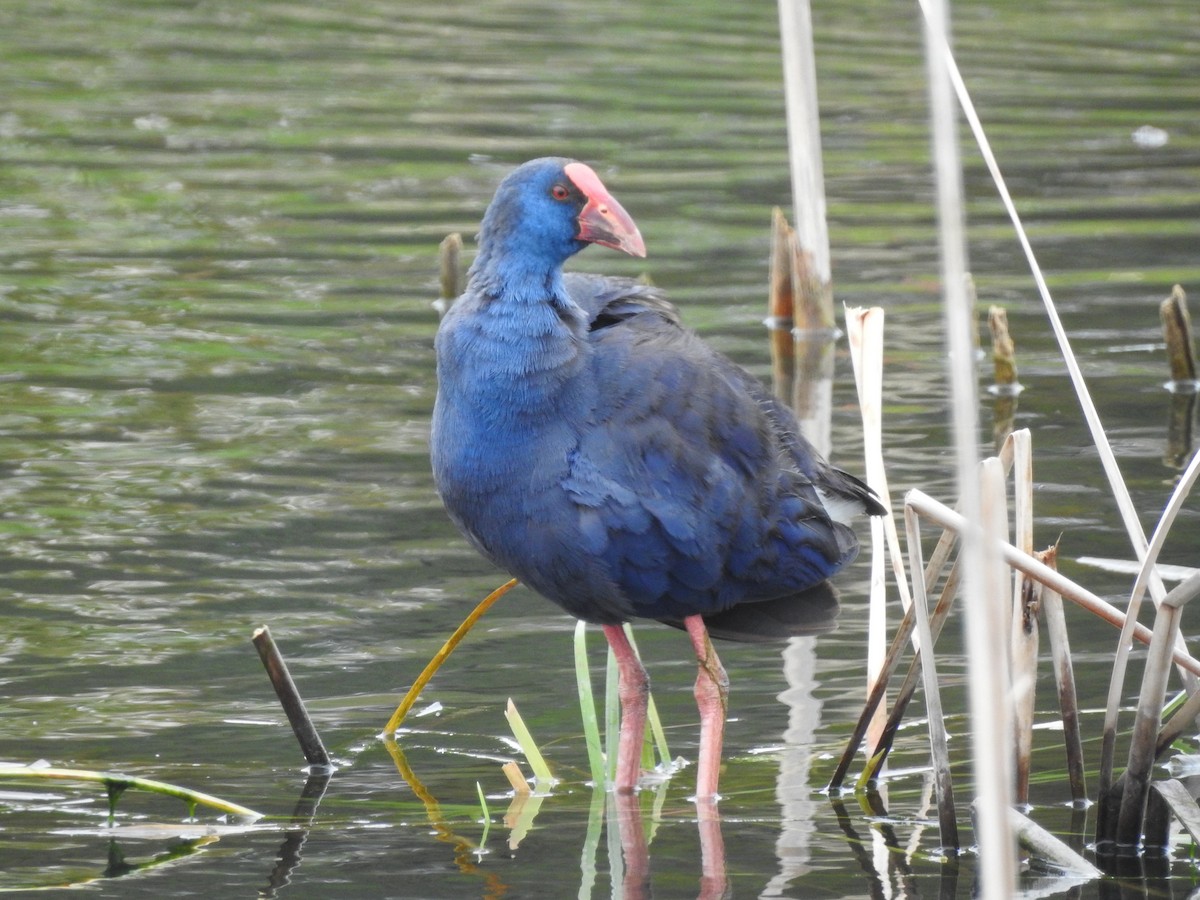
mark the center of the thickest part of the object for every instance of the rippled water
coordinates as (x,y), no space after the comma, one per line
(220,228)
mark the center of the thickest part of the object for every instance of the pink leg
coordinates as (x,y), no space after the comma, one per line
(712,698)
(625,810)
(633,688)
(714,883)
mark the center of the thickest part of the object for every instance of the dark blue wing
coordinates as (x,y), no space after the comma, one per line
(691,483)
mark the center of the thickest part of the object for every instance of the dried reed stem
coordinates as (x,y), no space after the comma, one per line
(947,821)
(882,747)
(1026,599)
(804,155)
(988,670)
(1004,356)
(779,319)
(1108,460)
(943,515)
(865,330)
(1064,678)
(1182,804)
(1121,660)
(1144,742)
(1048,847)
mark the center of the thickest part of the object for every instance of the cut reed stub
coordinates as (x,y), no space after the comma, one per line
(449,271)
(1004,356)
(1181,349)
(797,293)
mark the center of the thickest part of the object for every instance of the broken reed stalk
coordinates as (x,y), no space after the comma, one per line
(947,819)
(1048,847)
(289,698)
(779,319)
(1181,802)
(781,297)
(450,266)
(882,746)
(1120,491)
(813,273)
(812,309)
(1144,742)
(1026,599)
(1004,357)
(803,355)
(1120,662)
(946,517)
(1177,331)
(1184,386)
(865,332)
(987,670)
(516,780)
(1064,678)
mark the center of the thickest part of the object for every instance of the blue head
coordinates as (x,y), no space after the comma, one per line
(544,212)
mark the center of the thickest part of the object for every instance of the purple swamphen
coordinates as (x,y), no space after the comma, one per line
(603,454)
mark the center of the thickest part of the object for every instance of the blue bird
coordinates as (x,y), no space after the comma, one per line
(604,455)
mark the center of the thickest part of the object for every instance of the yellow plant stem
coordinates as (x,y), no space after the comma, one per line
(455,639)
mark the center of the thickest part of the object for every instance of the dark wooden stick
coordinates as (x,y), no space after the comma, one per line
(289,698)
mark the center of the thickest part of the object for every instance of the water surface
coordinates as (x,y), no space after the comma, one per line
(216,374)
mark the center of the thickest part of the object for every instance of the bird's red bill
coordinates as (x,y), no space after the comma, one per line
(603,220)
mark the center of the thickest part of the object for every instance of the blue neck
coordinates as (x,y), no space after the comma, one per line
(512,278)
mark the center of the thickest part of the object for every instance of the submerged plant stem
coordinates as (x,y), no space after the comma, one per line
(116,784)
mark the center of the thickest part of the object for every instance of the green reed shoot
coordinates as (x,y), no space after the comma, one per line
(487,818)
(541,771)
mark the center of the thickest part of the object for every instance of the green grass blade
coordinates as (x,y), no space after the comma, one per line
(660,735)
(587,706)
(487,818)
(537,763)
(591,844)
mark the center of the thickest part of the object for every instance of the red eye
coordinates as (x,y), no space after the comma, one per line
(560,192)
